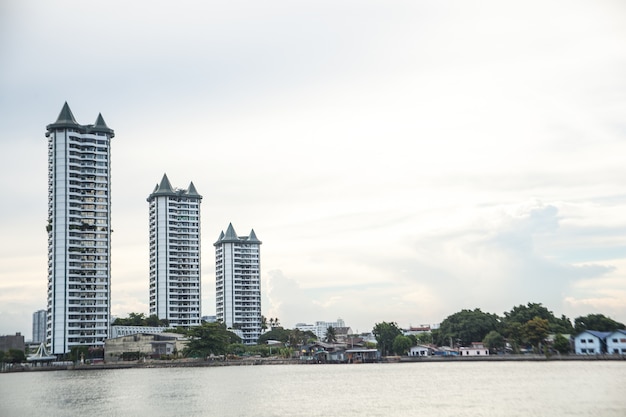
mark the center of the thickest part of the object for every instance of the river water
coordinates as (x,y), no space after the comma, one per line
(490,389)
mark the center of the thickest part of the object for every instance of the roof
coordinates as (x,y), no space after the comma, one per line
(66,120)
(231,237)
(164,188)
(599,335)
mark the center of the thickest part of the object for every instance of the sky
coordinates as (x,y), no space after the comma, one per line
(400,160)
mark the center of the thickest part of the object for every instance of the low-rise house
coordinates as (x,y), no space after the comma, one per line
(590,342)
(362,355)
(616,342)
(420,350)
(476,349)
(143,344)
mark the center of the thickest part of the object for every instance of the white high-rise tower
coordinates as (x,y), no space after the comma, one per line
(238,283)
(79,233)
(175,254)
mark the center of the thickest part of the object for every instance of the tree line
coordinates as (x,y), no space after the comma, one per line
(524,327)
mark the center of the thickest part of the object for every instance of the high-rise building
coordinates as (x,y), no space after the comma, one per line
(39,326)
(79,233)
(175,254)
(238,283)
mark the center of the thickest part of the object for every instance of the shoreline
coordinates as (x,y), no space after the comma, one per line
(190,363)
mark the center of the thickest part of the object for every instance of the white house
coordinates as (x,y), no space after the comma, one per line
(590,342)
(420,350)
(616,342)
(477,349)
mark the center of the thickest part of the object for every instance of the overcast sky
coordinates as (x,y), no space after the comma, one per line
(400,160)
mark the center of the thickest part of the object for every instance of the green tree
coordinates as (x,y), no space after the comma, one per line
(424,338)
(522,314)
(401,344)
(152,320)
(331,335)
(467,326)
(598,322)
(276,333)
(209,338)
(561,344)
(263,323)
(494,341)
(15,356)
(536,330)
(385,333)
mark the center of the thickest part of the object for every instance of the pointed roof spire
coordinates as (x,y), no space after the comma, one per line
(164,188)
(230,233)
(65,119)
(66,115)
(252,238)
(192,192)
(229,237)
(101,126)
(219,239)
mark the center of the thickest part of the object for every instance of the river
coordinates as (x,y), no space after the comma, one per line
(489,389)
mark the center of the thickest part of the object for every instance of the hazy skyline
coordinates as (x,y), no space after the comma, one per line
(399,160)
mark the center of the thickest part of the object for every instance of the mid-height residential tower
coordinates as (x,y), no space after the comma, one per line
(238,283)
(175,254)
(79,233)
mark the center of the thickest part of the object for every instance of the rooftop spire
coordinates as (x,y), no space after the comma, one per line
(101,126)
(192,192)
(252,238)
(66,115)
(164,188)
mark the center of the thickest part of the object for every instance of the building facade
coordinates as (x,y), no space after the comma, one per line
(616,342)
(175,254)
(39,326)
(590,342)
(238,283)
(79,233)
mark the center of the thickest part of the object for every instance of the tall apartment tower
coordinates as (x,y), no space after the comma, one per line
(39,326)
(238,283)
(175,254)
(79,233)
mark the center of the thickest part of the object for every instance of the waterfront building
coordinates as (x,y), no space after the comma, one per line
(39,326)
(238,283)
(616,342)
(175,254)
(590,342)
(79,233)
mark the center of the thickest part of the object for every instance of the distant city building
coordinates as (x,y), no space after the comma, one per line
(39,326)
(12,342)
(238,283)
(175,254)
(320,327)
(79,233)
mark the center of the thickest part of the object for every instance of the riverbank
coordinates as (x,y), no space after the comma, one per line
(195,363)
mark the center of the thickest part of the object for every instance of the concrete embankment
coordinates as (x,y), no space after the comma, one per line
(516,358)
